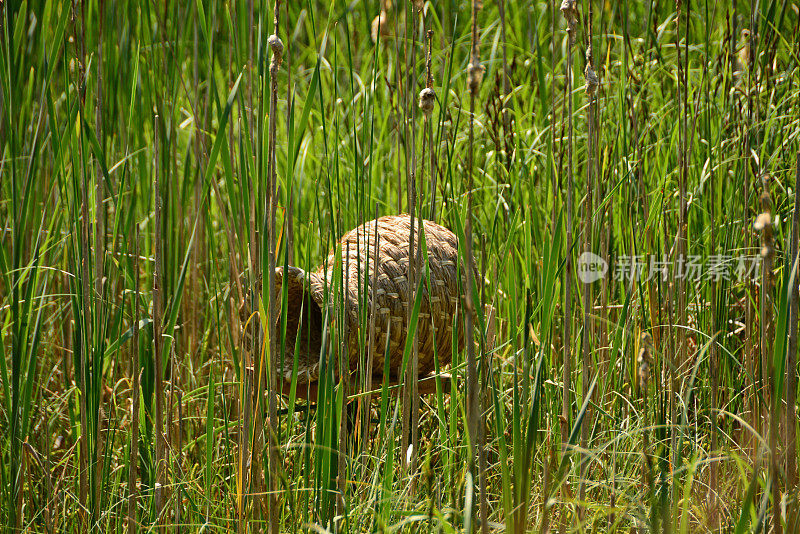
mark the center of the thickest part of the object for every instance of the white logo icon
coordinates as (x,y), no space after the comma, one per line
(591,267)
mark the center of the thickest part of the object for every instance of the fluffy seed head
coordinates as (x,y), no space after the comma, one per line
(592,82)
(379,27)
(276,45)
(569,9)
(427,98)
(646,339)
(644,358)
(474,76)
(762,221)
(644,374)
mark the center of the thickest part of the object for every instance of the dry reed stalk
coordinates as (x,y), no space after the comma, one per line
(605,320)
(483,376)
(681,354)
(603,336)
(99,226)
(158,277)
(251,47)
(713,351)
(400,102)
(244,458)
(549,461)
(197,274)
(24,475)
(588,330)
(791,357)
(245,469)
(570,12)
(48,508)
(162,429)
(276,47)
(133,468)
(169,431)
(417,260)
(289,214)
(411,382)
(344,372)
(508,133)
(764,224)
(668,347)
(67,332)
(176,469)
(99,256)
(551,165)
(427,101)
(486,347)
(253,337)
(366,400)
(84,243)
(713,362)
(474,78)
(750,347)
(644,360)
(681,237)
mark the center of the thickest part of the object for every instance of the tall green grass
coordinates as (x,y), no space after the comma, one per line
(137,234)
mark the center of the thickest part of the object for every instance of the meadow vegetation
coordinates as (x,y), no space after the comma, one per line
(622,176)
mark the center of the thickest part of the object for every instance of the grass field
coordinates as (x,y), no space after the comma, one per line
(628,204)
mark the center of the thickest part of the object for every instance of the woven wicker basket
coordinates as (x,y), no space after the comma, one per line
(388,304)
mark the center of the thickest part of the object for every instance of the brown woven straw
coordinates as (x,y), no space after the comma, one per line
(387,294)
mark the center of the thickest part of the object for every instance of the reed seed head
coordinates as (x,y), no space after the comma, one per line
(762,221)
(645,358)
(276,45)
(427,98)
(741,61)
(569,8)
(592,82)
(474,75)
(644,374)
(379,27)
(646,338)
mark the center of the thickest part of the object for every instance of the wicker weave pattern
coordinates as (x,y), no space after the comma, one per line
(392,295)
